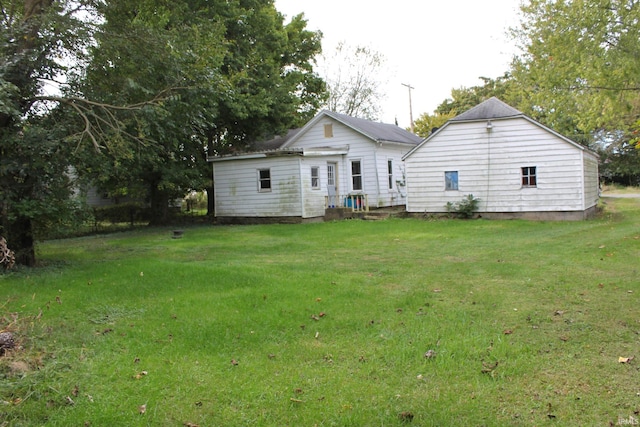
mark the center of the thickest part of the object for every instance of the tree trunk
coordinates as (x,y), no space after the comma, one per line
(211,205)
(20,241)
(159,206)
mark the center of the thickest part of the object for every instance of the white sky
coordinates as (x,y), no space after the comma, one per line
(434,45)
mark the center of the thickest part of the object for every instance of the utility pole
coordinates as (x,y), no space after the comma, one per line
(408,86)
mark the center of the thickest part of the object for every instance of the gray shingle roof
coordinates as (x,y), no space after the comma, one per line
(376,130)
(275,143)
(492,108)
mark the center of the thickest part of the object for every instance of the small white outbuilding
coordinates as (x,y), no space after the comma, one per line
(515,166)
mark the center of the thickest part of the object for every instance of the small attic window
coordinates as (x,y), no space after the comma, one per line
(328,130)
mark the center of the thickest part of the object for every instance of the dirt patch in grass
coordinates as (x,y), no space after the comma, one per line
(17,358)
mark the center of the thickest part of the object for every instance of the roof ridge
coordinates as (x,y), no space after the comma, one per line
(492,108)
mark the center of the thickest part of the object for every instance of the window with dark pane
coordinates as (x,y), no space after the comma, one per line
(529,176)
(264,180)
(356,175)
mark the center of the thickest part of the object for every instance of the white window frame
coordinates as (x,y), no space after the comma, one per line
(360,176)
(527,176)
(315,177)
(451,184)
(264,180)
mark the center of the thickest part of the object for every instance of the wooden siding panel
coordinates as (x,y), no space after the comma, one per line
(313,198)
(240,196)
(373,157)
(489,167)
(592,181)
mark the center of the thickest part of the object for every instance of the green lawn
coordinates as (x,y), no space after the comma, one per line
(328,324)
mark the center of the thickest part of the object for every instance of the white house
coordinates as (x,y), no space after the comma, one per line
(515,166)
(333,161)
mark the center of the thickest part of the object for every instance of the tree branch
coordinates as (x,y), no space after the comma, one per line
(99,118)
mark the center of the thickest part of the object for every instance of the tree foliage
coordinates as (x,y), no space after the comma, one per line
(464,98)
(427,123)
(579,67)
(154,87)
(37,39)
(239,74)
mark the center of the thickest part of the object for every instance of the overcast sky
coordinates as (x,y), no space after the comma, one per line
(433,45)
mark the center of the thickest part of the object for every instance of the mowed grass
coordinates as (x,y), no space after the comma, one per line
(328,324)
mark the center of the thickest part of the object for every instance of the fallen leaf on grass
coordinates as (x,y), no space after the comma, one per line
(234,362)
(430,354)
(296,400)
(142,409)
(488,368)
(190,425)
(507,331)
(140,375)
(625,359)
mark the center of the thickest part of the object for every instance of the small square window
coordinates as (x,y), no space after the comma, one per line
(529,178)
(451,180)
(315,177)
(264,180)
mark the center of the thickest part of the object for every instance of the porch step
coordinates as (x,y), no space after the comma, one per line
(376,216)
(372,215)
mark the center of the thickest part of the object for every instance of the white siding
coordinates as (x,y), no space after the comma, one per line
(489,167)
(373,157)
(314,198)
(591,181)
(291,195)
(238,195)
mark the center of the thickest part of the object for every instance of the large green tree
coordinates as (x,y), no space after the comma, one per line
(580,68)
(238,74)
(138,96)
(38,38)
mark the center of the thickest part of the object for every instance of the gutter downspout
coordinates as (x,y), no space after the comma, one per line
(489,130)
